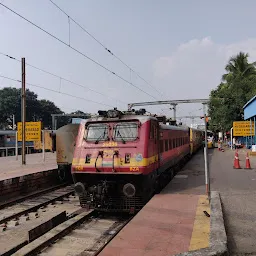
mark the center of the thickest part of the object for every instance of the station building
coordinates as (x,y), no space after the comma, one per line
(250,115)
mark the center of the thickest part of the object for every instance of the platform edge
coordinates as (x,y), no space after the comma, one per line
(218,237)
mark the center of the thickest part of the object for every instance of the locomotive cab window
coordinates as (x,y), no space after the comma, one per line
(96,132)
(125,132)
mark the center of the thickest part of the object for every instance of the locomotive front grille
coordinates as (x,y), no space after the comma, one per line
(114,204)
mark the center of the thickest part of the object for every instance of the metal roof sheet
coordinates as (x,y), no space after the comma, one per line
(249,102)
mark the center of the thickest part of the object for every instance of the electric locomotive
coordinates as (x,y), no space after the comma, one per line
(119,158)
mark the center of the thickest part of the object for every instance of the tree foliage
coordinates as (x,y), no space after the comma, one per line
(237,87)
(36,110)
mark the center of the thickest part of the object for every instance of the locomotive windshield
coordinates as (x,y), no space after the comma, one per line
(97,132)
(125,132)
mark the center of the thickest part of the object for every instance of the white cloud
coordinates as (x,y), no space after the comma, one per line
(196,66)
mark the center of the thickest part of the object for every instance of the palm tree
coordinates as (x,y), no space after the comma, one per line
(238,66)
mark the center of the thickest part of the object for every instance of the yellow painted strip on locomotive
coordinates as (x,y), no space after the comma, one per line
(117,161)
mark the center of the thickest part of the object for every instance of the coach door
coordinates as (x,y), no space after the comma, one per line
(154,138)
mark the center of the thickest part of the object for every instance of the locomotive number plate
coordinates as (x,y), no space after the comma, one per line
(134,169)
(110,144)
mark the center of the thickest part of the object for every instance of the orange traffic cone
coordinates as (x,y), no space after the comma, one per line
(236,161)
(247,162)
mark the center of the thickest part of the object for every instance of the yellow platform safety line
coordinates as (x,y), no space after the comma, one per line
(201,229)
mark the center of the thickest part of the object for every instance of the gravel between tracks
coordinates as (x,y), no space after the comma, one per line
(87,239)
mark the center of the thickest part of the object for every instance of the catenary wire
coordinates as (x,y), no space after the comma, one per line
(52,90)
(60,77)
(106,48)
(78,51)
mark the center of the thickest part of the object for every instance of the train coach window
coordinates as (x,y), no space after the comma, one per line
(161,146)
(170,143)
(166,146)
(96,132)
(126,132)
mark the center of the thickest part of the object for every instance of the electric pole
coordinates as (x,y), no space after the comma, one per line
(23,110)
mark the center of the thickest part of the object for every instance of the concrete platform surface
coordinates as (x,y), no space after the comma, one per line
(172,222)
(237,189)
(11,168)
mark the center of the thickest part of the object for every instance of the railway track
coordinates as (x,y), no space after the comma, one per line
(66,229)
(14,211)
(51,222)
(19,199)
(85,234)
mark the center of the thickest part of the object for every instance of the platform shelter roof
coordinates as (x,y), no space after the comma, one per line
(250,108)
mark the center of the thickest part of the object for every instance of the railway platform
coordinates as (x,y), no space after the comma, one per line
(172,222)
(17,179)
(237,188)
(12,168)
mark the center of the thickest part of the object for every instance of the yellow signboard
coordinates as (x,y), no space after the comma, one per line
(33,131)
(243,128)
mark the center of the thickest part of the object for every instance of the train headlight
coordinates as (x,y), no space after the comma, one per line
(113,113)
(129,190)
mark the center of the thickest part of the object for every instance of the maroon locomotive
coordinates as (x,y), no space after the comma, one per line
(119,158)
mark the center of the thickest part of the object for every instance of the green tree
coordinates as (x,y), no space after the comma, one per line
(239,68)
(36,110)
(46,109)
(238,86)
(10,104)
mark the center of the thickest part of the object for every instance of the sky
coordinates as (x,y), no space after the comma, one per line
(179,47)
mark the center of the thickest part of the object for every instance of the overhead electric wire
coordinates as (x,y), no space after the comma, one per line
(107,49)
(45,88)
(60,77)
(76,50)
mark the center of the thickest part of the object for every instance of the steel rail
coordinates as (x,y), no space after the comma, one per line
(30,195)
(56,233)
(112,237)
(36,207)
